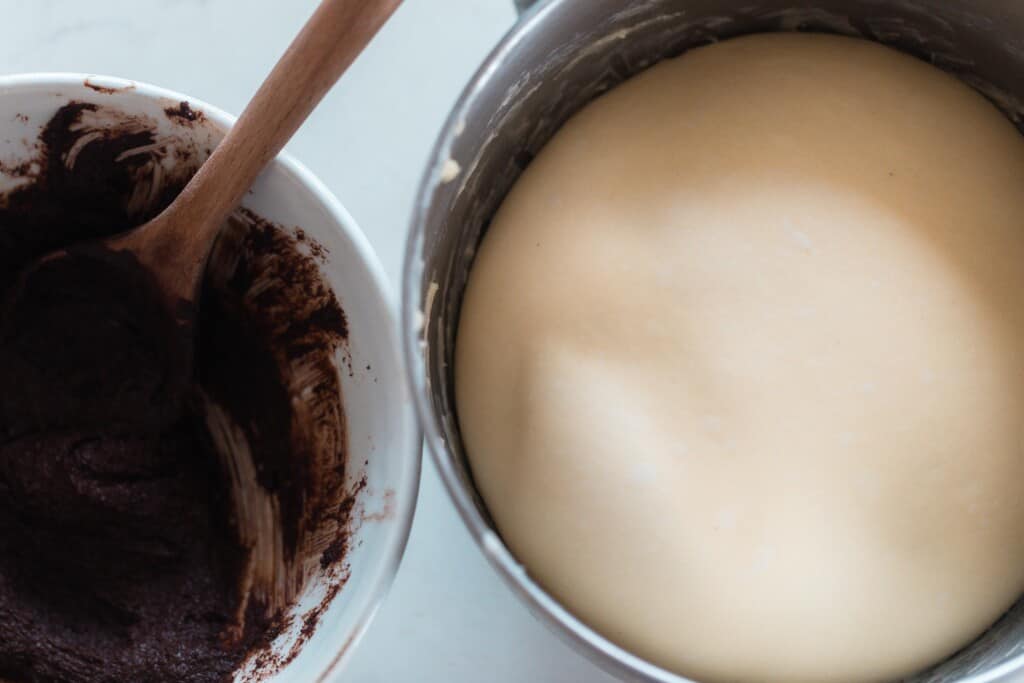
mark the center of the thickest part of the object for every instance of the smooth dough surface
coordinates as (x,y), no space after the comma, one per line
(740,367)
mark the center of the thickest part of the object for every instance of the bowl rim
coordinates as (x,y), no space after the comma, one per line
(609,656)
(380,291)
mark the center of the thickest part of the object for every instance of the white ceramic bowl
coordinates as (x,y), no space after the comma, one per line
(383,436)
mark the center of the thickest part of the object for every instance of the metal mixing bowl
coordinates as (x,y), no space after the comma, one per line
(561,55)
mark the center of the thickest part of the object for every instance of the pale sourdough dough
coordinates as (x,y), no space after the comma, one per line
(740,367)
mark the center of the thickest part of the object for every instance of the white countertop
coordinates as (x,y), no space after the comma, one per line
(448,618)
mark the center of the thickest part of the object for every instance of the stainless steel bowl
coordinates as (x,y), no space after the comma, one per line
(561,55)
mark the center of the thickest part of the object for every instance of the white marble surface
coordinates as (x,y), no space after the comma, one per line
(448,618)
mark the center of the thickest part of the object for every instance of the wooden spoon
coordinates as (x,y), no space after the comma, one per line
(174,247)
(76,319)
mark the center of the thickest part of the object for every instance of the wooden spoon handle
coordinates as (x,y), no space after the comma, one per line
(328,43)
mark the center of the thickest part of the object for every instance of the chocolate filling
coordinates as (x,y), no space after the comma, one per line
(156,524)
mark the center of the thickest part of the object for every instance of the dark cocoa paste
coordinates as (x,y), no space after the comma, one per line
(123,469)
